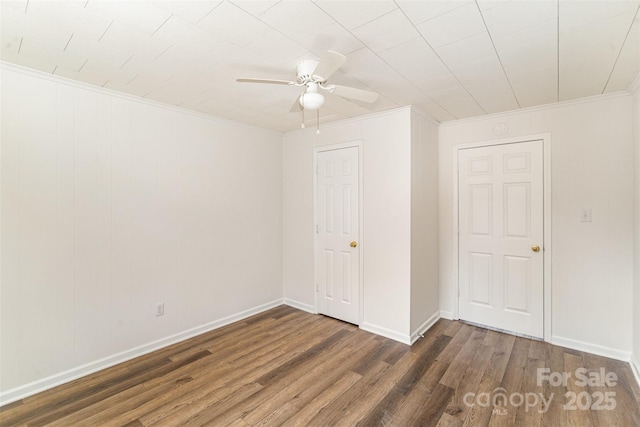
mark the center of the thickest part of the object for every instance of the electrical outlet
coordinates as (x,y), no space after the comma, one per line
(160,309)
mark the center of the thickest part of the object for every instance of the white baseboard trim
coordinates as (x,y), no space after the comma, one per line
(300,305)
(426,325)
(387,333)
(446,315)
(599,350)
(635,368)
(55,380)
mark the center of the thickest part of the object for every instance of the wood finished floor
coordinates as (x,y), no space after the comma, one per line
(288,367)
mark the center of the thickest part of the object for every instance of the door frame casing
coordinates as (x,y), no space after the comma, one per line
(332,147)
(546,245)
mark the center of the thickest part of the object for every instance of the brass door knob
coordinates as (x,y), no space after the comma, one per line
(535,248)
(353,244)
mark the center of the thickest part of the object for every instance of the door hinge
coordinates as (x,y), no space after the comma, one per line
(317,229)
(317,288)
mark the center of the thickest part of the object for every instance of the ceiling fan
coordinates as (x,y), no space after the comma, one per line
(313,75)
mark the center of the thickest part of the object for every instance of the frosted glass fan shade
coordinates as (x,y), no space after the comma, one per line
(311,100)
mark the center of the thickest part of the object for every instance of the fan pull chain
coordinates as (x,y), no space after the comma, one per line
(302,110)
(318,121)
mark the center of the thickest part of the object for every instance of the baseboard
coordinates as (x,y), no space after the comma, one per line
(426,325)
(635,368)
(55,380)
(387,333)
(591,348)
(446,315)
(300,305)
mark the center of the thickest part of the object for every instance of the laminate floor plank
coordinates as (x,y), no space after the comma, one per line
(277,417)
(556,392)
(399,407)
(205,376)
(217,376)
(291,368)
(307,413)
(343,368)
(286,388)
(456,344)
(310,381)
(231,408)
(575,417)
(227,343)
(510,381)
(257,344)
(374,393)
(469,382)
(532,403)
(491,378)
(462,360)
(203,405)
(433,409)
(341,409)
(452,328)
(281,379)
(388,406)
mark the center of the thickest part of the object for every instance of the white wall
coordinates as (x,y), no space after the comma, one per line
(592,263)
(111,205)
(424,223)
(386,229)
(635,360)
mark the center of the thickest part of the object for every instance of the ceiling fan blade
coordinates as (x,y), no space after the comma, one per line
(342,106)
(328,65)
(270,81)
(296,107)
(353,93)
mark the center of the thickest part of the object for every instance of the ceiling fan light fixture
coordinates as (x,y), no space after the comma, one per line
(311,100)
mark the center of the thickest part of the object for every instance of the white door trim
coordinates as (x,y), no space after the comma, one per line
(546,143)
(316,150)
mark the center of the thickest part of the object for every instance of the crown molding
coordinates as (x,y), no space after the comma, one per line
(424,115)
(7,66)
(595,98)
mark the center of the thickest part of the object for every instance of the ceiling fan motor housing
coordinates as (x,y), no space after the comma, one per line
(305,70)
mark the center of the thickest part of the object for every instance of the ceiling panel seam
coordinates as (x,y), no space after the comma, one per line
(208,13)
(368,22)
(83,64)
(68,41)
(127,61)
(105,31)
(443,63)
(626,37)
(161,25)
(498,55)
(261,13)
(381,59)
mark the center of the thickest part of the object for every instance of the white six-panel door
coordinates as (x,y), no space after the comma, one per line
(500,202)
(337,249)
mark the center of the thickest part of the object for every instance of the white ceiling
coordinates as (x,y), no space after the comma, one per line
(453,59)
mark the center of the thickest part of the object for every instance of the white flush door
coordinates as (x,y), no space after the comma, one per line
(500,214)
(337,249)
